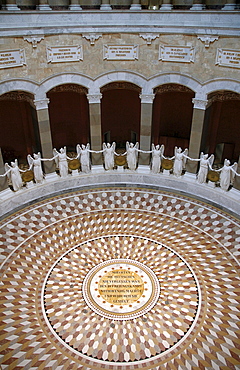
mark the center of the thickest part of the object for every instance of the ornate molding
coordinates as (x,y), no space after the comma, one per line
(34,40)
(41,103)
(200,103)
(18,96)
(149,37)
(69,88)
(207,39)
(172,88)
(223,96)
(92,37)
(147,98)
(121,85)
(94,98)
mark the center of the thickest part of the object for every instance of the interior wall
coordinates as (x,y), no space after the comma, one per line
(69,119)
(120,114)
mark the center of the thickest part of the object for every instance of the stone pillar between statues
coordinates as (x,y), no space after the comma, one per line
(45,133)
(3,180)
(11,5)
(146,126)
(196,132)
(136,5)
(95,125)
(166,5)
(43,5)
(197,5)
(105,5)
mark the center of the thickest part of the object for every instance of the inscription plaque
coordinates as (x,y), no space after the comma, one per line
(183,54)
(57,54)
(120,52)
(12,58)
(228,58)
(121,289)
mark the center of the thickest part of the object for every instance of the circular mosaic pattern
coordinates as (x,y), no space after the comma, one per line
(198,239)
(129,297)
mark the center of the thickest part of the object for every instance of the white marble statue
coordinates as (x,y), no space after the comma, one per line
(180,158)
(13,173)
(157,155)
(61,161)
(83,153)
(132,155)
(227,174)
(35,165)
(205,163)
(108,153)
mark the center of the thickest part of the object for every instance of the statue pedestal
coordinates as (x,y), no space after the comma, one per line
(166,172)
(211,184)
(29,185)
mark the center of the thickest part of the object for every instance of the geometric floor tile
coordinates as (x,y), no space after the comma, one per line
(120,278)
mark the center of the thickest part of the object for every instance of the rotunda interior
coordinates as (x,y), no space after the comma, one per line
(119,184)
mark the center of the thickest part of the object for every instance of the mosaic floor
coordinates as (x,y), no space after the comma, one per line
(121,279)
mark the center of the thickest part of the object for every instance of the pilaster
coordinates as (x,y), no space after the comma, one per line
(146,126)
(45,133)
(3,180)
(95,125)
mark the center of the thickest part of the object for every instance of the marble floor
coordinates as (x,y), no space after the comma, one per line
(120,278)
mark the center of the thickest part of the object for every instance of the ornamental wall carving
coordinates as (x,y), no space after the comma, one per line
(120,85)
(69,88)
(18,96)
(172,88)
(223,96)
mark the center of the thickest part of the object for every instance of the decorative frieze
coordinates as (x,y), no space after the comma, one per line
(94,98)
(223,96)
(200,103)
(228,58)
(172,88)
(41,104)
(147,98)
(18,96)
(60,54)
(123,85)
(149,37)
(120,52)
(92,37)
(12,58)
(207,39)
(34,40)
(69,88)
(183,54)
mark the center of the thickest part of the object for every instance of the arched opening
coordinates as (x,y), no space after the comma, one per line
(172,116)
(221,135)
(69,115)
(120,113)
(19,126)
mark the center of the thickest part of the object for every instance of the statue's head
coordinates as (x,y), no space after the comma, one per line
(131,145)
(205,156)
(226,162)
(179,150)
(157,146)
(13,164)
(83,146)
(108,145)
(35,156)
(61,150)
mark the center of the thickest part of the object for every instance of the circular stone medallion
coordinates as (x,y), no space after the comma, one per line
(121,289)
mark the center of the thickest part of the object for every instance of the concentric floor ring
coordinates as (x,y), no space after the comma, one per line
(198,239)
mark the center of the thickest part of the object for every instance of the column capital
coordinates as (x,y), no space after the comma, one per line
(94,98)
(147,98)
(41,103)
(200,103)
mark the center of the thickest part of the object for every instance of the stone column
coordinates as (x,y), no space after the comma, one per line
(166,5)
(229,5)
(145,126)
(215,115)
(197,5)
(136,5)
(43,5)
(45,133)
(196,132)
(12,5)
(105,5)
(74,5)
(95,125)
(3,180)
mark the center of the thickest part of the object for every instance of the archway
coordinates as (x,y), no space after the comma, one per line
(172,116)
(19,127)
(120,112)
(69,115)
